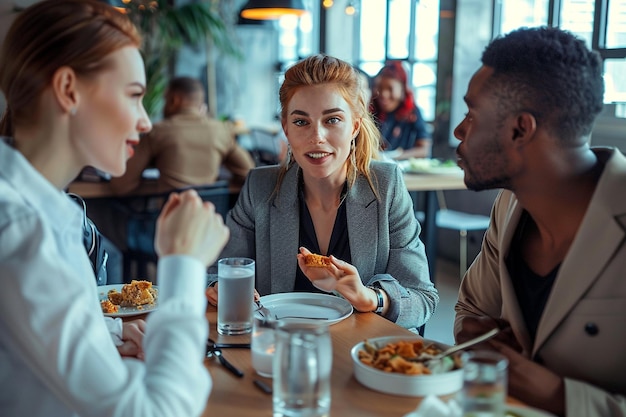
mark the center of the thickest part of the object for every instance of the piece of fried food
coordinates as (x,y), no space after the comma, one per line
(108,307)
(115,297)
(315,260)
(138,293)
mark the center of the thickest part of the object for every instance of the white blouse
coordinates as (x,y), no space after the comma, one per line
(57,357)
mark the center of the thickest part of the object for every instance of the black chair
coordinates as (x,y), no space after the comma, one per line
(140,214)
(264,146)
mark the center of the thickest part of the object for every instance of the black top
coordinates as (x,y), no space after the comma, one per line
(403,133)
(339,245)
(532,290)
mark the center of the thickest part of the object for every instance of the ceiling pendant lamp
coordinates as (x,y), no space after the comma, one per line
(272,9)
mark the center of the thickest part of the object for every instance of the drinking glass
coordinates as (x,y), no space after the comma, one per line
(485,383)
(263,345)
(302,365)
(235,293)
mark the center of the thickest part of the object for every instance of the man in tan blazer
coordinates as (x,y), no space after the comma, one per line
(552,269)
(187,147)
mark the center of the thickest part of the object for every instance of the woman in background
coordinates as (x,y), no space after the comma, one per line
(332,198)
(400,121)
(74,80)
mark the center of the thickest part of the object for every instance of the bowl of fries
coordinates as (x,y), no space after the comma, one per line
(398,365)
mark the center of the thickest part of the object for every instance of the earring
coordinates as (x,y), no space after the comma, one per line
(288,157)
(73,111)
(353,155)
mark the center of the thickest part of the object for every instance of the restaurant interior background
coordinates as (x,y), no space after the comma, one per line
(441,41)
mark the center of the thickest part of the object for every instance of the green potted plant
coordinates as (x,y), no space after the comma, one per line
(166,28)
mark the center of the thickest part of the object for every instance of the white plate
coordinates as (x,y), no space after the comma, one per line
(125,311)
(320,307)
(525,412)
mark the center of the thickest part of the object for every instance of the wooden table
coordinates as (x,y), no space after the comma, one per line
(102,189)
(232,396)
(429,184)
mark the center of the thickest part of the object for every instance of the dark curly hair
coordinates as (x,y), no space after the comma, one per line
(551,74)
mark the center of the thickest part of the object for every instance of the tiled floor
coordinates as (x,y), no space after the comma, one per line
(440,326)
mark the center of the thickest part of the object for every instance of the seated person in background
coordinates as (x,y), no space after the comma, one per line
(330,197)
(551,272)
(399,119)
(187,147)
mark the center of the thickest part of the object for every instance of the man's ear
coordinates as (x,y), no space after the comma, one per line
(524,128)
(64,88)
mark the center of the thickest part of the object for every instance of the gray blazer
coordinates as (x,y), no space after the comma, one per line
(589,291)
(383,235)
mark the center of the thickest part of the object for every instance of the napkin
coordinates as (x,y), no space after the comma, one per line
(433,406)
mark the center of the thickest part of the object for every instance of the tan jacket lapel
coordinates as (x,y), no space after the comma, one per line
(600,235)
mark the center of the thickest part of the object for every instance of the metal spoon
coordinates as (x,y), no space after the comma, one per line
(434,362)
(213,350)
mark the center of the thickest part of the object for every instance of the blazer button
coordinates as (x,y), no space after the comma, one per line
(591,329)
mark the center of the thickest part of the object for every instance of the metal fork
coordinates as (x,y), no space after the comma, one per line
(263,311)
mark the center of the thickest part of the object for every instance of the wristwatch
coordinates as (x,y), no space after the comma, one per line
(379,297)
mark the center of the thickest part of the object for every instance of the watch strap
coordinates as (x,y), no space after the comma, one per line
(379,298)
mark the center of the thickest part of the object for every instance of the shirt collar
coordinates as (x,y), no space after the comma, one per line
(34,188)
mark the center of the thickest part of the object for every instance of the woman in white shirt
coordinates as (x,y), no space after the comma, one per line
(74,79)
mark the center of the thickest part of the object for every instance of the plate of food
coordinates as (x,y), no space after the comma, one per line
(398,365)
(307,306)
(123,300)
(430,166)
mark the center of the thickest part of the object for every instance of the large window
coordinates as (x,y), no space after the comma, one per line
(601,23)
(298,35)
(405,30)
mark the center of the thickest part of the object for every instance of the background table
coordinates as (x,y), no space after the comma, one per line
(429,184)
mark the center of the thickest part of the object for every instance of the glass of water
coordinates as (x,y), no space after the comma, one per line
(263,345)
(235,293)
(485,383)
(302,365)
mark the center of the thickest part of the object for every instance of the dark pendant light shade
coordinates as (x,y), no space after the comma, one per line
(272,9)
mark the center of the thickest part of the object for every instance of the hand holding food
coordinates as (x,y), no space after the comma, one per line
(189,226)
(337,276)
(319,269)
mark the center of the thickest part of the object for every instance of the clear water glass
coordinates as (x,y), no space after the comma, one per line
(302,366)
(485,375)
(263,345)
(235,293)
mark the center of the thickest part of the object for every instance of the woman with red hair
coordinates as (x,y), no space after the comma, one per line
(400,121)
